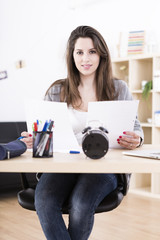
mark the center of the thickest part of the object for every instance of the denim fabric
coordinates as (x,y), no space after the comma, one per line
(84,192)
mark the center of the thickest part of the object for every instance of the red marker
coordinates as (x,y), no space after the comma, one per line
(35,127)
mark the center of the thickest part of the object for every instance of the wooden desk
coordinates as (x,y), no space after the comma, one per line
(113,162)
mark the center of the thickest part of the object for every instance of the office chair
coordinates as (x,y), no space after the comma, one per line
(110,202)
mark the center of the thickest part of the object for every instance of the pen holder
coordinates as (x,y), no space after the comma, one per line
(42,144)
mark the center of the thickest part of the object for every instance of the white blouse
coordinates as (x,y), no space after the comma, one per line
(78,120)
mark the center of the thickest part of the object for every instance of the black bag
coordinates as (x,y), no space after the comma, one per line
(12,149)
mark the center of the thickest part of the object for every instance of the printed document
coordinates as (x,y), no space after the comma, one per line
(115,116)
(64,139)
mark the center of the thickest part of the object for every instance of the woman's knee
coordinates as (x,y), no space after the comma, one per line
(80,210)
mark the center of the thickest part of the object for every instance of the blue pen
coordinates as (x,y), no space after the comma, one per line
(20,137)
(74,152)
(45,126)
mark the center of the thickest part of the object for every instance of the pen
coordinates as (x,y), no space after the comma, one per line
(45,126)
(20,137)
(50,125)
(35,126)
(74,152)
(30,135)
(43,145)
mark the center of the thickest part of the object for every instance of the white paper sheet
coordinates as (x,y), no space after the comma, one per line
(115,116)
(64,139)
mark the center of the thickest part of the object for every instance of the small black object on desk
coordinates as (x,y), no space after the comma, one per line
(95,142)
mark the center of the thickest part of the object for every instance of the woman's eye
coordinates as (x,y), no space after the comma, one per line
(92,51)
(79,52)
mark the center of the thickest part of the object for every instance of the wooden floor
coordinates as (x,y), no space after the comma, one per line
(137,218)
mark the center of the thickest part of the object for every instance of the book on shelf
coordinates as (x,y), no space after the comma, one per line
(136,42)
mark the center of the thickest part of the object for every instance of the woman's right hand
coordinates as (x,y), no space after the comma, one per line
(28,140)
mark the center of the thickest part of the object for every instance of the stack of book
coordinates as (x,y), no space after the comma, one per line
(136,42)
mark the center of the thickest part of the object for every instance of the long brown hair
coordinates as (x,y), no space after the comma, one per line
(105,89)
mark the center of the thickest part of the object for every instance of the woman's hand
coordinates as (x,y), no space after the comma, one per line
(129,140)
(28,140)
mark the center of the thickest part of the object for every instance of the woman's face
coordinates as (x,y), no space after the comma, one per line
(86,57)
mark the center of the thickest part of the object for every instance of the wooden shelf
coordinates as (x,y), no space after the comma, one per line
(135,69)
(140,91)
(146,124)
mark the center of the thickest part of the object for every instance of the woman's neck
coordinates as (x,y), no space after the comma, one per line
(87,82)
(87,90)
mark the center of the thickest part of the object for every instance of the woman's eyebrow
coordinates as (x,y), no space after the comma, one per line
(92,49)
(82,49)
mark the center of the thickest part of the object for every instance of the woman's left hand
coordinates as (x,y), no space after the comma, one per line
(129,140)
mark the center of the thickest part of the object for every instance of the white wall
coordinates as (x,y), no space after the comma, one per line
(36,31)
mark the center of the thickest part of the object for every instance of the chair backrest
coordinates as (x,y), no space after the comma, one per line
(11,130)
(110,202)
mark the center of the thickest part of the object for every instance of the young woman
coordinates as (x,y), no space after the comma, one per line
(89,79)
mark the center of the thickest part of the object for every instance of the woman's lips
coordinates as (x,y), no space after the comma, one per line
(86,66)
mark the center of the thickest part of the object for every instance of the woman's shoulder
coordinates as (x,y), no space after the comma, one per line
(56,86)
(118,83)
(54,91)
(122,90)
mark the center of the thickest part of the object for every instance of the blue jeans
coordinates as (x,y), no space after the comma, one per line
(84,192)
